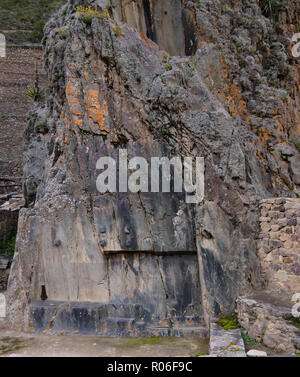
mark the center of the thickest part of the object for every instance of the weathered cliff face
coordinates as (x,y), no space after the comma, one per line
(234,101)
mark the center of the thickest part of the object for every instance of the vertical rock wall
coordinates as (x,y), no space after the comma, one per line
(169,23)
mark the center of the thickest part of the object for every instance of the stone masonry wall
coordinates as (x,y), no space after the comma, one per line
(279,245)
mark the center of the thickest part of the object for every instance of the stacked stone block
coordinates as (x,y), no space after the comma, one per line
(279,245)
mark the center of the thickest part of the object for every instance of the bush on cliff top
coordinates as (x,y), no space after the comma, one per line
(86,14)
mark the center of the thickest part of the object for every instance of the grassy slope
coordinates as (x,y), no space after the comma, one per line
(26,18)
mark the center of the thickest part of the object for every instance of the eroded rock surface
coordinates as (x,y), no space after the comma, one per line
(233,102)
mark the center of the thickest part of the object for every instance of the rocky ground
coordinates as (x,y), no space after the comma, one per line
(16,343)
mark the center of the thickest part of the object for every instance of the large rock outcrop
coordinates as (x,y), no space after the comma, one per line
(234,101)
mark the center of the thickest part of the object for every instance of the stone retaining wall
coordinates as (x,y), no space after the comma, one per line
(279,245)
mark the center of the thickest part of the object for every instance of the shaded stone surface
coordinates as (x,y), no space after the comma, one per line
(118,320)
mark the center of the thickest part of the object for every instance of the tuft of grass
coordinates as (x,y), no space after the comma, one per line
(31,93)
(34,94)
(228,321)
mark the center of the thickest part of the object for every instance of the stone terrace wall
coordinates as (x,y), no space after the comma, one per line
(279,245)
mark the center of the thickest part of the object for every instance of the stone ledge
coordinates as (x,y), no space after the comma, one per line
(107,319)
(225,343)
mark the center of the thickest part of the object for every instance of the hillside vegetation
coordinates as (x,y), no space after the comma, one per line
(23,20)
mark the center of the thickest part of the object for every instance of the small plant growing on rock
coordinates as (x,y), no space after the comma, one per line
(117,31)
(86,14)
(104,15)
(35,94)
(166,58)
(167,63)
(247,339)
(168,67)
(228,321)
(32,93)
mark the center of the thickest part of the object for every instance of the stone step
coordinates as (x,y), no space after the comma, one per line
(226,343)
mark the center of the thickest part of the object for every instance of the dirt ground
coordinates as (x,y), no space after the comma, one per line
(16,344)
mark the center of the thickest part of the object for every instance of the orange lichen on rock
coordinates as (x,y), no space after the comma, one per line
(77,121)
(72,93)
(149,42)
(230,94)
(96,111)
